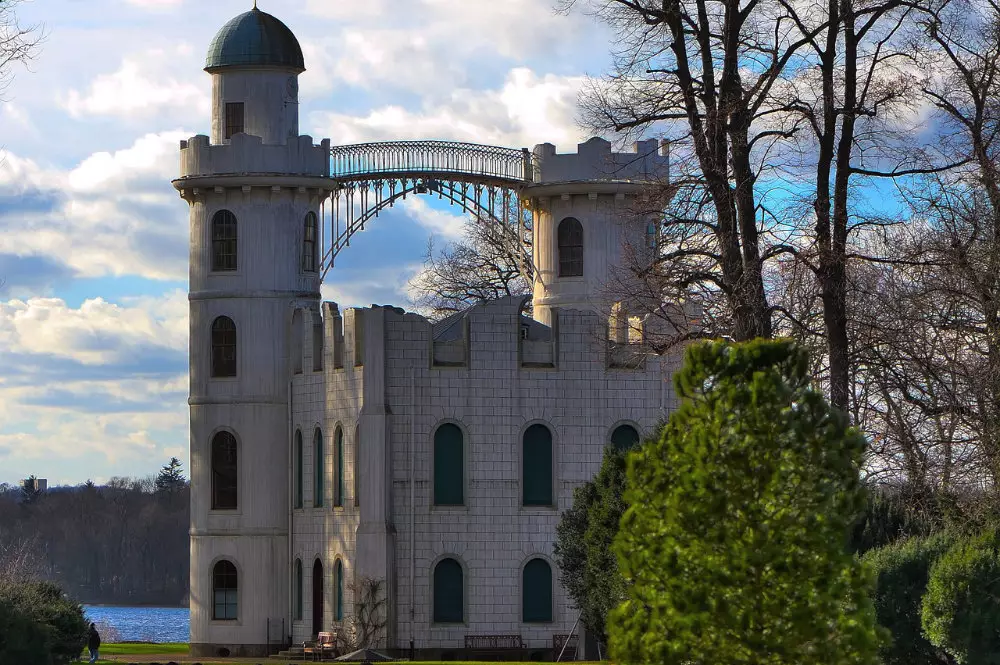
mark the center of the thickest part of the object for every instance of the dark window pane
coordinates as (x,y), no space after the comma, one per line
(357,465)
(224,472)
(624,437)
(570,240)
(224,591)
(298,589)
(338,488)
(318,468)
(449,592)
(536,460)
(223,241)
(223,347)
(298,469)
(234,118)
(309,243)
(536,591)
(338,581)
(449,476)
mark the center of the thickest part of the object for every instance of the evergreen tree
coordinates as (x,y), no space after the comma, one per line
(588,568)
(170,478)
(30,491)
(733,547)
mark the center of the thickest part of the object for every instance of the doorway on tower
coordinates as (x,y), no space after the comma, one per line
(317,604)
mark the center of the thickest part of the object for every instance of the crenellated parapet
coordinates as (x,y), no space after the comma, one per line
(246,154)
(649,161)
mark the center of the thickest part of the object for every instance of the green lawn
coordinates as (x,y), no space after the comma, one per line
(178,648)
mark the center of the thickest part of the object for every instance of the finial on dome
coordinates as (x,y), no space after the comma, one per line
(255,4)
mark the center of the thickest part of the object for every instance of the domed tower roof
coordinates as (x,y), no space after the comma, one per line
(254,39)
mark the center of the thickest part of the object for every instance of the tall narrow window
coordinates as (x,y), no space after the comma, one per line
(624,437)
(319,466)
(317,347)
(234,118)
(449,476)
(357,465)
(298,469)
(338,590)
(338,453)
(224,471)
(536,466)
(536,592)
(570,239)
(309,243)
(225,591)
(224,241)
(223,347)
(449,592)
(298,589)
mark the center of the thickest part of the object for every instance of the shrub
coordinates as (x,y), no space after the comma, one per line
(733,546)
(41,625)
(901,571)
(961,609)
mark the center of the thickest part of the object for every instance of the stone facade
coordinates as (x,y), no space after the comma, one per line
(278,378)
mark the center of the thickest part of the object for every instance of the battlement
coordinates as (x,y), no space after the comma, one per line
(246,154)
(649,161)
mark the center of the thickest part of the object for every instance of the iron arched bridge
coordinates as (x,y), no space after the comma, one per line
(486,181)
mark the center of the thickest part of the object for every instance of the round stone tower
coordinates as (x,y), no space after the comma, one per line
(586,221)
(254,191)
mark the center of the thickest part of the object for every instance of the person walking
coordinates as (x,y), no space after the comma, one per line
(94,643)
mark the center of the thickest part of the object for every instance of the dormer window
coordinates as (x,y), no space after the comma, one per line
(234,118)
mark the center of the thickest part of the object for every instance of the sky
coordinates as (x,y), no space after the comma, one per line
(94,239)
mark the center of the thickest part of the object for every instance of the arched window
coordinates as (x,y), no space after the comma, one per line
(449,592)
(624,437)
(357,465)
(225,591)
(298,589)
(318,468)
(338,482)
(449,468)
(298,469)
(570,238)
(224,471)
(317,597)
(309,243)
(223,241)
(338,590)
(536,466)
(536,592)
(223,347)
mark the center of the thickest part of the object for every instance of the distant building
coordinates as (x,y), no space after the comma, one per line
(331,445)
(35,484)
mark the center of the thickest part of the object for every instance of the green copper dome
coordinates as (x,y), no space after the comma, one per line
(255,39)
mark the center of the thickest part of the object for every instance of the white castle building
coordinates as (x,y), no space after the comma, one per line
(329,446)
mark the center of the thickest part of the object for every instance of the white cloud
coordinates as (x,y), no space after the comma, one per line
(528,109)
(440,222)
(145,85)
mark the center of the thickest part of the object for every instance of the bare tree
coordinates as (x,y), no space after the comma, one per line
(18,43)
(489,262)
(366,627)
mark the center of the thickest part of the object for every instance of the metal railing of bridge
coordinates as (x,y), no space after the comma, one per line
(376,161)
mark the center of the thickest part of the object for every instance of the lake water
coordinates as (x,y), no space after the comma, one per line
(143,624)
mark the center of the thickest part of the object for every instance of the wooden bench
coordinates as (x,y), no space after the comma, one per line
(325,645)
(493,646)
(571,642)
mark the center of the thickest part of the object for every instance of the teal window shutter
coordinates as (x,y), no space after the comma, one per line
(338,490)
(449,592)
(318,464)
(338,587)
(536,466)
(624,437)
(536,592)
(449,467)
(298,589)
(298,469)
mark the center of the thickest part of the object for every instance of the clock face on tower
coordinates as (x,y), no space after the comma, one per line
(292,86)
